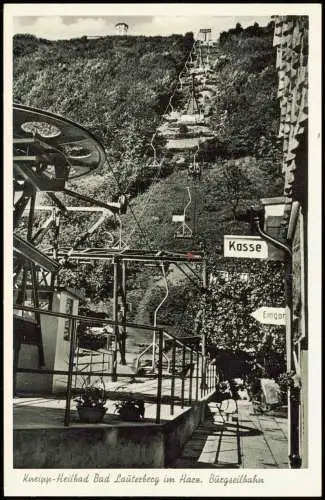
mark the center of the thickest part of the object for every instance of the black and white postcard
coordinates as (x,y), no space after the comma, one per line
(162,194)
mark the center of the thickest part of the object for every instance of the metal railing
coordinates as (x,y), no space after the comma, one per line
(190,376)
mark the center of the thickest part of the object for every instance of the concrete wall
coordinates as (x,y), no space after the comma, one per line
(95,446)
(177,432)
(105,446)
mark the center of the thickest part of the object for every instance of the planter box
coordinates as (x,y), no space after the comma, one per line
(130,414)
(91,415)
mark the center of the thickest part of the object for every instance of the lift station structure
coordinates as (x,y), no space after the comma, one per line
(49,151)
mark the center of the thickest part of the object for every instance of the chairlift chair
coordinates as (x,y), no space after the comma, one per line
(195,171)
(183,231)
(153,346)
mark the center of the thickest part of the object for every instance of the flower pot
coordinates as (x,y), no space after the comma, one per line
(91,415)
(130,414)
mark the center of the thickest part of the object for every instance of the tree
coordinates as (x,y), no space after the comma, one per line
(188,40)
(238,28)
(227,321)
(235,187)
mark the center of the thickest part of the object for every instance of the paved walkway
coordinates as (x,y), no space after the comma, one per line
(237,440)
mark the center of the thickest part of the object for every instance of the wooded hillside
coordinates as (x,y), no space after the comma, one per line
(119,87)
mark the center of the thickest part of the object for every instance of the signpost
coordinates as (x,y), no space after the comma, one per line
(247,247)
(270,315)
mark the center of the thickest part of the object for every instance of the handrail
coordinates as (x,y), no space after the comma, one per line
(92,319)
(88,319)
(160,376)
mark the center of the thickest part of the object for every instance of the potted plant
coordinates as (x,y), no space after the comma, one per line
(91,404)
(292,381)
(131,410)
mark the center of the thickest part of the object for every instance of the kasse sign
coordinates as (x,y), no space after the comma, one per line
(248,247)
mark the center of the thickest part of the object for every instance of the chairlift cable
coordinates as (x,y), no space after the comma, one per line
(153,147)
(152,142)
(154,150)
(141,230)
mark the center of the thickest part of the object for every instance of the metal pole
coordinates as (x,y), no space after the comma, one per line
(91,368)
(115,319)
(124,311)
(202,369)
(70,368)
(183,376)
(21,204)
(21,296)
(56,231)
(159,387)
(77,365)
(204,282)
(191,375)
(293,393)
(155,316)
(172,390)
(197,375)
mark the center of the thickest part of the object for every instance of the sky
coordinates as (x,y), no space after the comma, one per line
(54,27)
